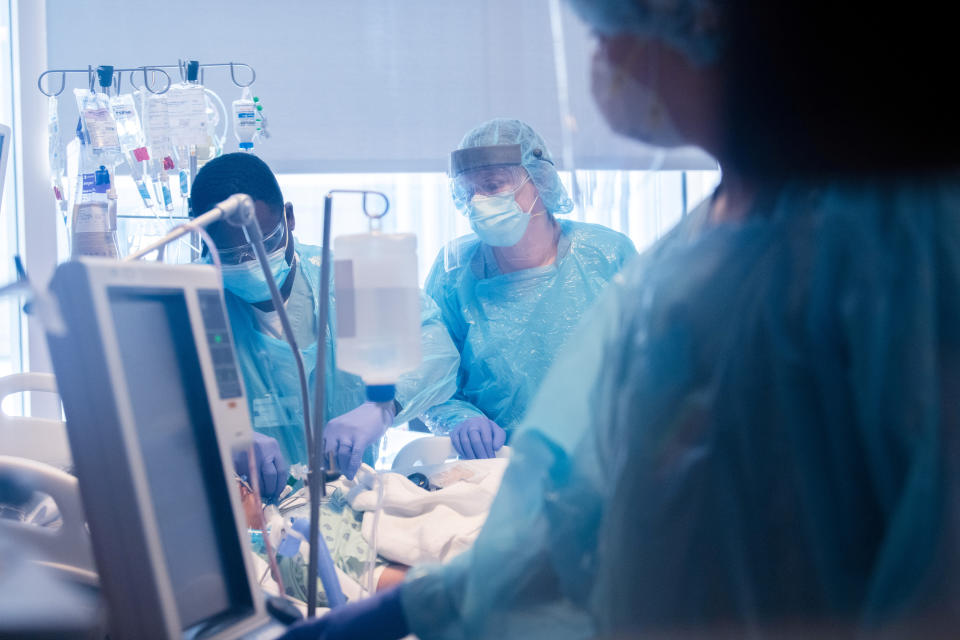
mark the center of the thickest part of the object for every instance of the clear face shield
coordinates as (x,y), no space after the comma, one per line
(483,184)
(620,154)
(487,182)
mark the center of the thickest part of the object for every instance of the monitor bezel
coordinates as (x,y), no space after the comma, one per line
(83,288)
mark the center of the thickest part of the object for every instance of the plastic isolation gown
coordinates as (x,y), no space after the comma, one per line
(509,328)
(755,431)
(272,383)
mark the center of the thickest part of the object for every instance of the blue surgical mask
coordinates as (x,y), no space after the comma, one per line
(498,220)
(246,280)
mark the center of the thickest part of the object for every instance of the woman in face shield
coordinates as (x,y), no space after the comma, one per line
(512,293)
(756,433)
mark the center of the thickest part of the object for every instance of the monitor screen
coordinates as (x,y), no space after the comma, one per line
(180,454)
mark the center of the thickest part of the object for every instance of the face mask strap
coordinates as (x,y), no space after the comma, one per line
(532,205)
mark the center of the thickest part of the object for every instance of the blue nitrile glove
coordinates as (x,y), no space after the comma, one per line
(377,618)
(477,437)
(347,436)
(272,469)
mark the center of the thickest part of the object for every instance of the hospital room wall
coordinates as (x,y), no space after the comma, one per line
(365,86)
(376,94)
(362,94)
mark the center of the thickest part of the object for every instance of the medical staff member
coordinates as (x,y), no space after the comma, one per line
(756,431)
(269,371)
(512,292)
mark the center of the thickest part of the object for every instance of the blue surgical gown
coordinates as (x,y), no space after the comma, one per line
(509,327)
(755,432)
(272,383)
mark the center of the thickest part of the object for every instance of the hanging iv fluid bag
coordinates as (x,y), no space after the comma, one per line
(377,308)
(245,120)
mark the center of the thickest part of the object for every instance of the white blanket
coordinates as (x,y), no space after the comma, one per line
(416,526)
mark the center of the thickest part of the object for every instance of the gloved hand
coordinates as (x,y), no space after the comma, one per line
(477,437)
(347,436)
(377,618)
(272,469)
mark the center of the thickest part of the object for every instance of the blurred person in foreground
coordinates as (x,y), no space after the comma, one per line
(755,432)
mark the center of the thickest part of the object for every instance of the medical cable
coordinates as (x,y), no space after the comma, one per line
(238,210)
(228,209)
(207,240)
(372,551)
(315,446)
(251,230)
(271,552)
(316,479)
(253,234)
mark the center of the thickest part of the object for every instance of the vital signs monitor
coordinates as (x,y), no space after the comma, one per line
(155,408)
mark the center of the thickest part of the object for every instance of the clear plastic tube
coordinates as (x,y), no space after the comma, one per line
(132,142)
(255,484)
(155,117)
(58,162)
(372,551)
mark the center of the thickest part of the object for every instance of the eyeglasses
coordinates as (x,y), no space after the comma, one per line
(244,252)
(489,181)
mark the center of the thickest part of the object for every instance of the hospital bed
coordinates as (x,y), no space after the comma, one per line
(39,439)
(36,452)
(66,547)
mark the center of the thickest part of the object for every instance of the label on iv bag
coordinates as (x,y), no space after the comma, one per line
(187,107)
(102,129)
(122,111)
(92,213)
(95,244)
(92,217)
(158,124)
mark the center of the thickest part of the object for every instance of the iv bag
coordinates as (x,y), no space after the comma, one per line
(378,306)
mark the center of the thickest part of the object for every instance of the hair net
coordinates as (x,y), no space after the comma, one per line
(535,158)
(692,26)
(754,432)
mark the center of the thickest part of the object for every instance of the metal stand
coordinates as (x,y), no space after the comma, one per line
(317,472)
